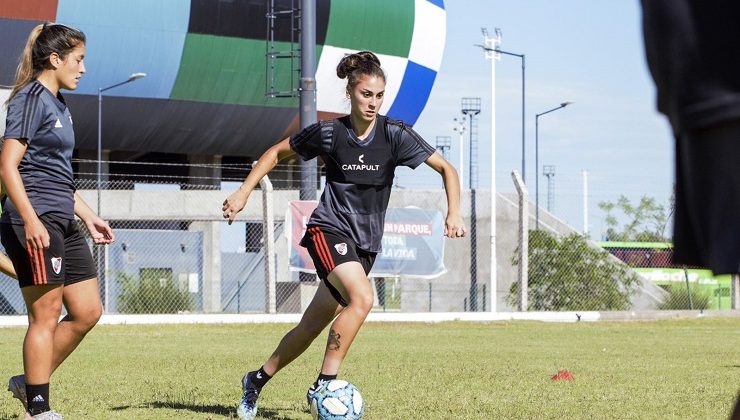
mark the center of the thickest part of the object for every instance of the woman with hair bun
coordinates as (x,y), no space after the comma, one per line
(38,228)
(361,151)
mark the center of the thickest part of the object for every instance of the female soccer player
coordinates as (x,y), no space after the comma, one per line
(38,227)
(343,236)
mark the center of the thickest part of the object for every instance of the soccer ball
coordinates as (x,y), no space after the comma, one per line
(337,400)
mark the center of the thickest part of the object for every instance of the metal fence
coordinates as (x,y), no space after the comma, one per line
(174,254)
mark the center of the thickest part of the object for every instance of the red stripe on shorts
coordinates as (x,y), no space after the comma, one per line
(319,250)
(44,279)
(32,259)
(322,242)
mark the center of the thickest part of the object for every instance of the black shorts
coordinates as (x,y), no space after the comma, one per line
(707,219)
(66,261)
(328,250)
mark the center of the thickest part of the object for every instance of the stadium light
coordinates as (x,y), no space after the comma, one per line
(537,161)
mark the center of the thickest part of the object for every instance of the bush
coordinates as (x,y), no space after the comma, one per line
(678,298)
(153,293)
(568,274)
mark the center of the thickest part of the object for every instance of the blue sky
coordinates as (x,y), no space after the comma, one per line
(586,51)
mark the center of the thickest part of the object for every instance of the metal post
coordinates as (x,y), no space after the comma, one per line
(307,102)
(100,143)
(473,233)
(585,204)
(471,108)
(536,159)
(536,175)
(492,43)
(460,129)
(308,91)
(524,172)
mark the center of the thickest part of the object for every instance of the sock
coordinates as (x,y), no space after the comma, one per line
(260,378)
(37,397)
(323,377)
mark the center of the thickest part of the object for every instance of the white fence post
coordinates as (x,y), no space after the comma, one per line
(268,231)
(521,189)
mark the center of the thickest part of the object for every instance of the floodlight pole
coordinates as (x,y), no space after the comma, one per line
(491,44)
(460,129)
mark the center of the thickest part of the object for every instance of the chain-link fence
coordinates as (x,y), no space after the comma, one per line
(174,253)
(566,271)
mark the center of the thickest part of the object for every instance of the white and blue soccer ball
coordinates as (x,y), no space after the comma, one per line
(337,400)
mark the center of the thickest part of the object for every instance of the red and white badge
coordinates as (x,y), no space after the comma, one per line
(56,264)
(341,248)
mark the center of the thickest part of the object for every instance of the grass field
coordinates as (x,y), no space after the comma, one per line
(688,369)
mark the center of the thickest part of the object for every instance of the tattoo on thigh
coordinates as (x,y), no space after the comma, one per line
(334,340)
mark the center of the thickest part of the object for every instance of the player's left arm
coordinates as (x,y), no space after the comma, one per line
(99,230)
(454,226)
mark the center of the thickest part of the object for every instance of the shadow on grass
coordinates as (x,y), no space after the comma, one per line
(221,410)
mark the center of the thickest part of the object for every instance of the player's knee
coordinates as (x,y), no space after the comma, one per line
(363,301)
(87,318)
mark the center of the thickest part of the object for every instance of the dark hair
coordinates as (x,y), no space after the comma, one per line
(42,42)
(354,66)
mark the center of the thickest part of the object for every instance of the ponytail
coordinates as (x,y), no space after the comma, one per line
(42,42)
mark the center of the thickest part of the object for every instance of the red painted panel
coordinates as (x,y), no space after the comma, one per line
(39,10)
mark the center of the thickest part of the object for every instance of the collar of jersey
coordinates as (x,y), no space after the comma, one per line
(370,137)
(58,100)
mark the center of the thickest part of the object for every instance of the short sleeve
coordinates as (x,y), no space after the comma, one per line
(412,150)
(25,116)
(313,140)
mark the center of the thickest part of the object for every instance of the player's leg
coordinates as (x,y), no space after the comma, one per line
(44,303)
(82,301)
(320,312)
(81,295)
(351,281)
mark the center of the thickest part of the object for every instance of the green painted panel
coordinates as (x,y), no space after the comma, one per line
(231,71)
(381,26)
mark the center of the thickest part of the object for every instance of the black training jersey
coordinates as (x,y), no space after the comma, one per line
(359,173)
(692,52)
(44,122)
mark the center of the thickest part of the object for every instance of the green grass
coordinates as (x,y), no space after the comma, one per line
(688,369)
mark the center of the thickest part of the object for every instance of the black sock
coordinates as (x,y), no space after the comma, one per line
(260,378)
(37,398)
(323,377)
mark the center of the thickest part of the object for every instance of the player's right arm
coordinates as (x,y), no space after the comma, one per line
(12,153)
(236,201)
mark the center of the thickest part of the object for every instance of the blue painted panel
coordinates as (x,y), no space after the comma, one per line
(413,94)
(440,3)
(13,36)
(127,37)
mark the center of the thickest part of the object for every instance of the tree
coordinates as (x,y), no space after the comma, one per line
(569,274)
(646,221)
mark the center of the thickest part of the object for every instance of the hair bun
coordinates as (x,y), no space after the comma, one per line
(350,63)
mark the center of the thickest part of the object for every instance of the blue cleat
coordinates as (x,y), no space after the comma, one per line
(247,409)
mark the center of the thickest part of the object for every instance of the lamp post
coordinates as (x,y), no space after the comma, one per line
(495,49)
(537,159)
(460,129)
(133,77)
